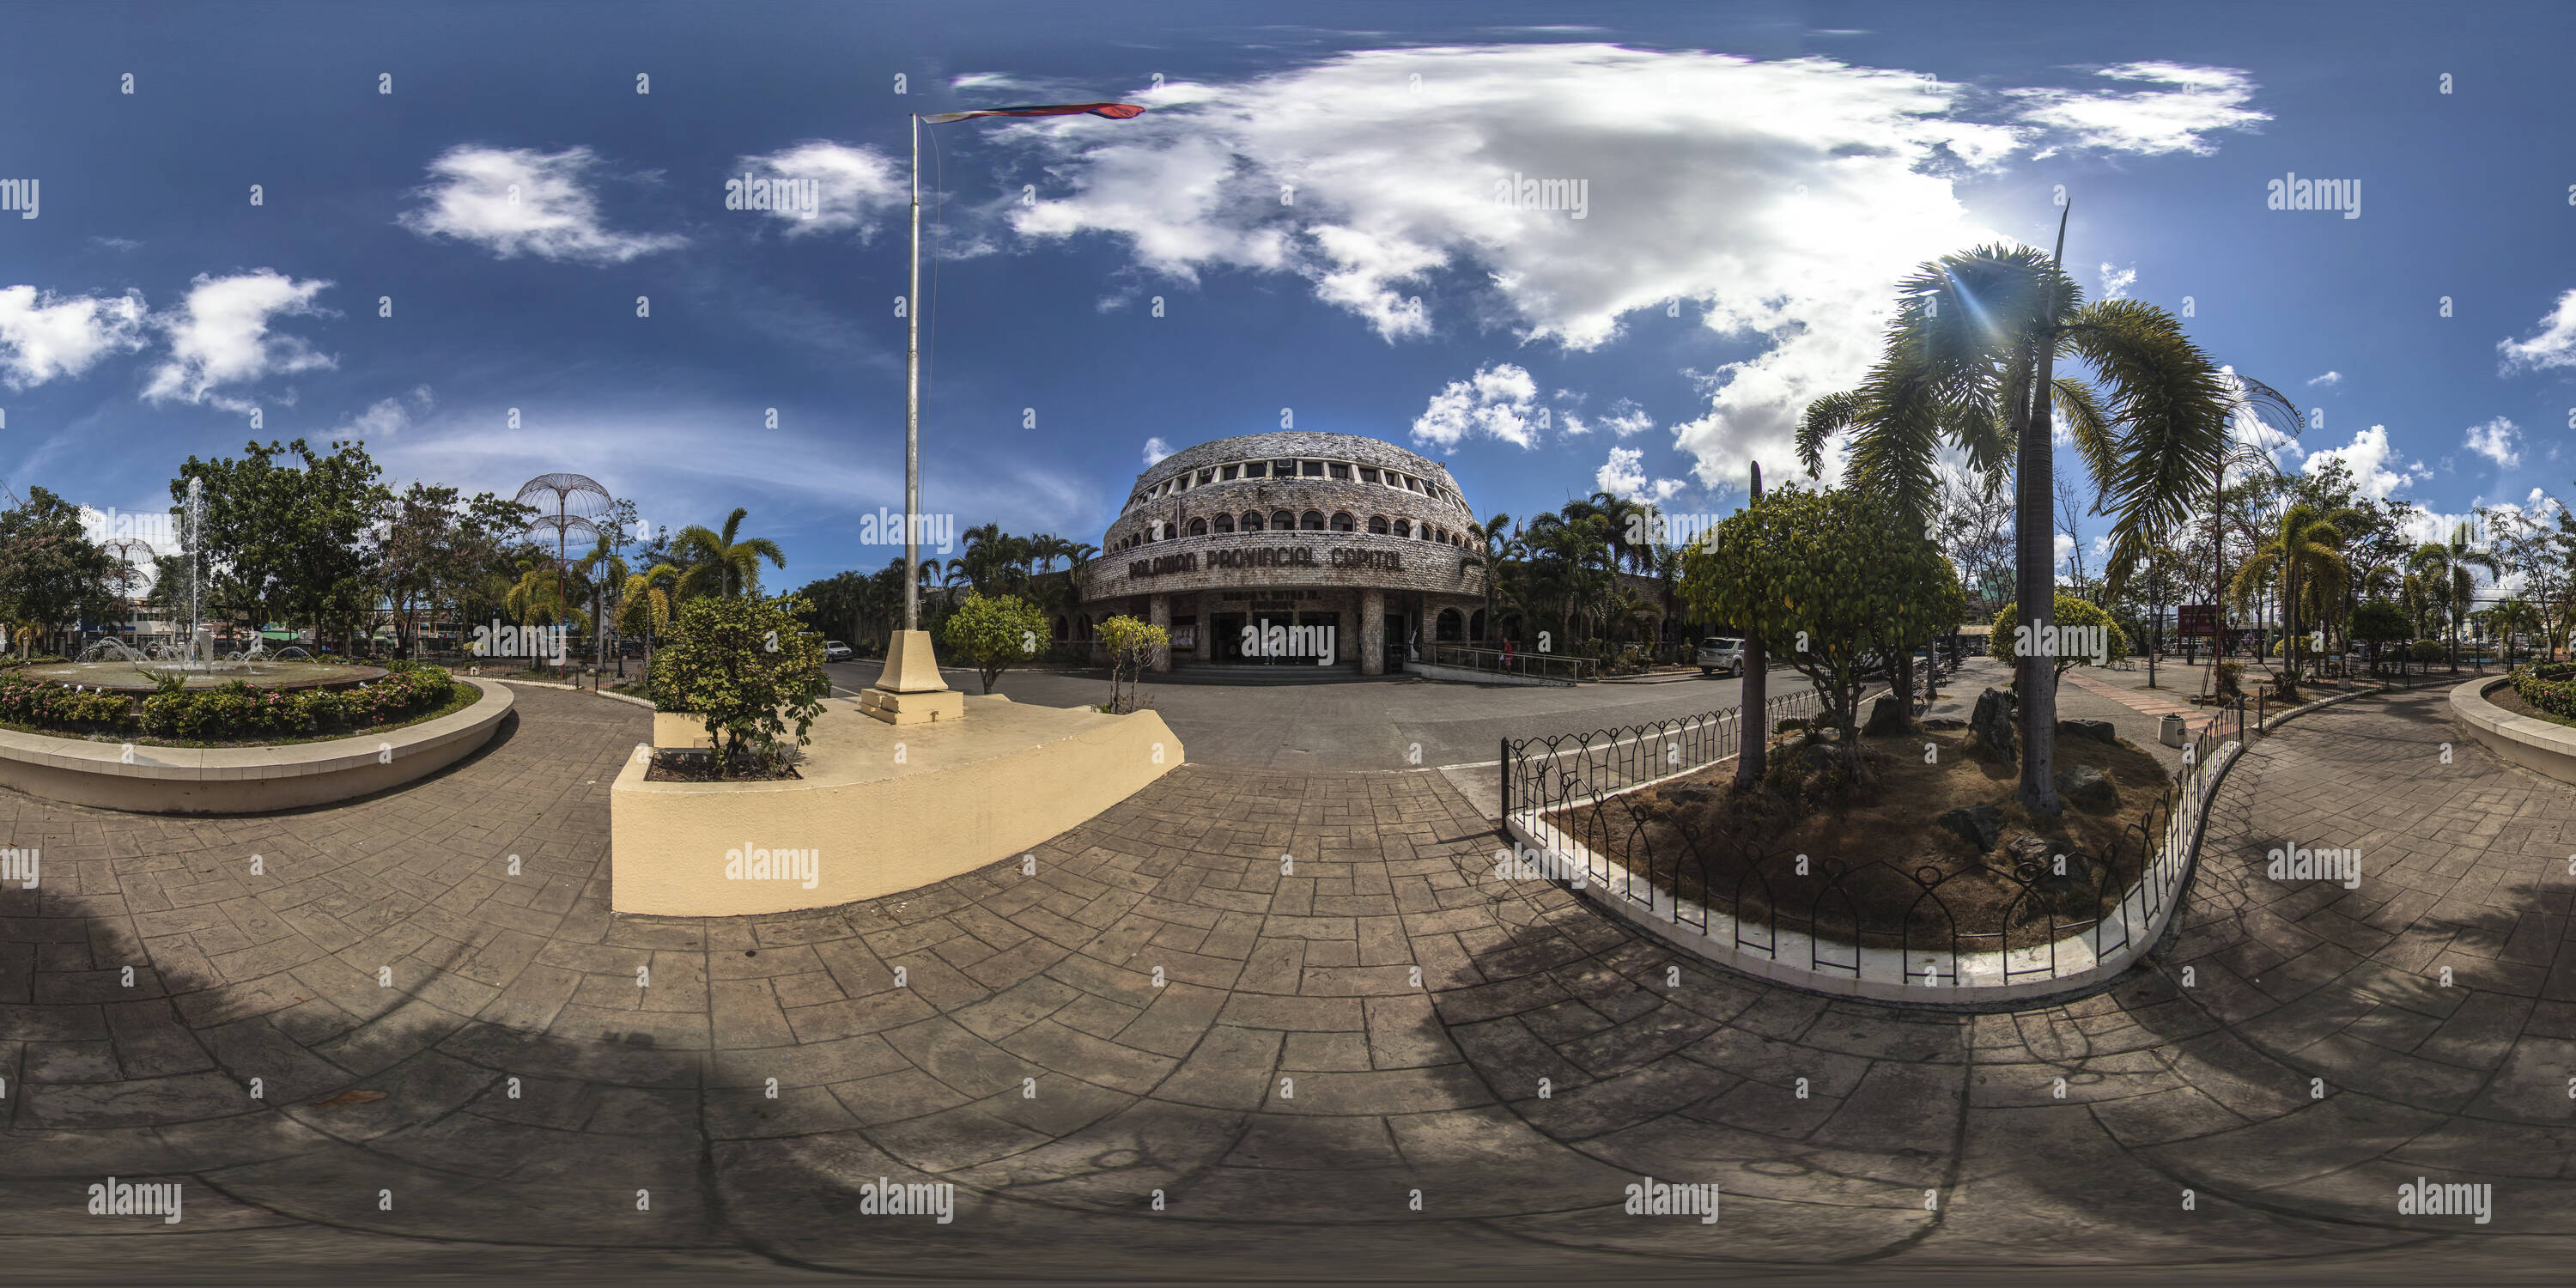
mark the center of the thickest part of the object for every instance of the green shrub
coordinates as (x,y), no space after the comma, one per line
(746,668)
(2550,687)
(2426,651)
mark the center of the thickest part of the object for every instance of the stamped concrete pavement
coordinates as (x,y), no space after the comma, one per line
(1254,1025)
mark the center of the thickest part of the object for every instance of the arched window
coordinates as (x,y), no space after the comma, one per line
(1377,524)
(1312,521)
(1476,625)
(1082,626)
(1225,523)
(1198,527)
(1449,627)
(1404,527)
(1344,523)
(1061,627)
(1252,520)
(1282,521)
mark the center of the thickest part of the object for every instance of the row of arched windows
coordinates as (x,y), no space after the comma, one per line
(1285,521)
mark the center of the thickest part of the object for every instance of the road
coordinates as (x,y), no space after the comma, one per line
(1399,723)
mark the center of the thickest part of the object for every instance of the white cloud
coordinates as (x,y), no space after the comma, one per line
(220,336)
(2554,345)
(2373,463)
(2329,379)
(1628,420)
(1499,401)
(512,201)
(43,335)
(2115,280)
(1155,450)
(2061,550)
(1624,474)
(387,417)
(1784,199)
(2181,105)
(852,185)
(2497,440)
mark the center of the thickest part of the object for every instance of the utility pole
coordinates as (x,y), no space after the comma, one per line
(1753,722)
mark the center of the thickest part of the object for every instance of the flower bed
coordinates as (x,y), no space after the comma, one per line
(2549,687)
(231,712)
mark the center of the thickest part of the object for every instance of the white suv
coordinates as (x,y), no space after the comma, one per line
(1719,653)
(836,651)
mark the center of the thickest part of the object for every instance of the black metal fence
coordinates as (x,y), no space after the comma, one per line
(1575,795)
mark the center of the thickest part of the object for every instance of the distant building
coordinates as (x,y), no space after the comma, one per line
(1339,542)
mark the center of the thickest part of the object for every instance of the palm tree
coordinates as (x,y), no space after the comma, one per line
(1971,361)
(2304,556)
(644,608)
(2449,583)
(604,573)
(1489,547)
(724,563)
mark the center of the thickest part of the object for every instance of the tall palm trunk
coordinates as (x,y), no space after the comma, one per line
(1753,722)
(2035,542)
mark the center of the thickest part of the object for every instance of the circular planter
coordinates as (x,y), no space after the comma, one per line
(2537,745)
(243,780)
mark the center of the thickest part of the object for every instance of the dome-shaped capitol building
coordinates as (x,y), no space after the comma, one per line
(1292,548)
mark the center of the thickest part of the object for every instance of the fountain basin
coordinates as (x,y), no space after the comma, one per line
(122,677)
(244,780)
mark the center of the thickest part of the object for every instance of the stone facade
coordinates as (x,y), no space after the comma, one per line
(1184,552)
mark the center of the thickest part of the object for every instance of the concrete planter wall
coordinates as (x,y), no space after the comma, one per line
(2535,744)
(880,808)
(244,780)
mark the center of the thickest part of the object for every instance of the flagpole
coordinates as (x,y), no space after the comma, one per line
(912,407)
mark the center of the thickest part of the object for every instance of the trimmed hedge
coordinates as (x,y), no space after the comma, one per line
(2550,687)
(230,712)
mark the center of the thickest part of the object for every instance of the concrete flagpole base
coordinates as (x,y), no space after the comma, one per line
(909,690)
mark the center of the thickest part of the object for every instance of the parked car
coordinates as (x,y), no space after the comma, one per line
(836,651)
(1720,653)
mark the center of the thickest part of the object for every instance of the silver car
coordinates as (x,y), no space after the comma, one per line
(1720,653)
(836,651)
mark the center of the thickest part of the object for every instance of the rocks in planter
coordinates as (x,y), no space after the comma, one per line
(2097,730)
(2086,786)
(1992,722)
(1978,825)
(1886,716)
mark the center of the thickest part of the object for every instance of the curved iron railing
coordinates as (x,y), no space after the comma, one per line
(1580,788)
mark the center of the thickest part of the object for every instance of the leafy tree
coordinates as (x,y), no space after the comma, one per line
(994,634)
(746,667)
(2016,641)
(2304,553)
(1970,362)
(1131,644)
(644,608)
(1829,582)
(722,563)
(2448,575)
(51,574)
(1490,545)
(292,539)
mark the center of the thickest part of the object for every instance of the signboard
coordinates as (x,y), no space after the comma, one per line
(2197,619)
(1185,639)
(1267,557)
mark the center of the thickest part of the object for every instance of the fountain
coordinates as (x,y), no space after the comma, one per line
(115,665)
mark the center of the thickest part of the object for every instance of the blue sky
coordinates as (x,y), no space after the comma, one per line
(1754,179)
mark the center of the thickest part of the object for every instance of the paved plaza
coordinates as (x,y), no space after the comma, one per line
(1290,1002)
